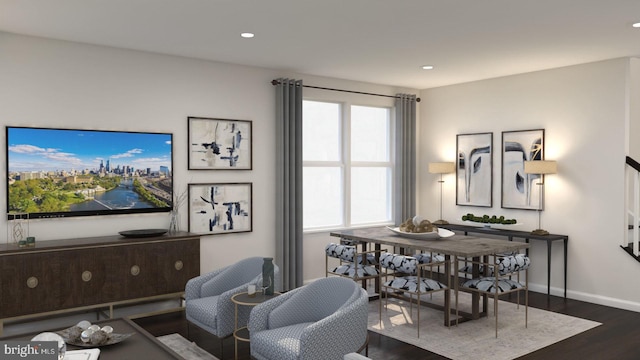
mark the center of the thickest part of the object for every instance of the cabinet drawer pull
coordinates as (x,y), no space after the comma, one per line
(86,275)
(135,270)
(178,265)
(32,282)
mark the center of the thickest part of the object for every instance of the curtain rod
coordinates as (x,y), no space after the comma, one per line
(276,82)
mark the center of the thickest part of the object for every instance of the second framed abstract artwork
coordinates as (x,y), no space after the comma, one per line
(474,169)
(219,144)
(517,187)
(220,208)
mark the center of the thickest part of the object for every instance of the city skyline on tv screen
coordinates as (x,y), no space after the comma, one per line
(36,149)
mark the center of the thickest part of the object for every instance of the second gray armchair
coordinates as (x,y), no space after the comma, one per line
(323,320)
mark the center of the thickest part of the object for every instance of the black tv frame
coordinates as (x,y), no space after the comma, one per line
(97,212)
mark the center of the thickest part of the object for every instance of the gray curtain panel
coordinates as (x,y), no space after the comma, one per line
(405,184)
(289,182)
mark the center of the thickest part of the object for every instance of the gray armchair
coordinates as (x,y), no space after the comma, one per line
(208,296)
(323,320)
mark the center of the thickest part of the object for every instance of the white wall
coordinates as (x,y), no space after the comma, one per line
(583,110)
(62,84)
(633,134)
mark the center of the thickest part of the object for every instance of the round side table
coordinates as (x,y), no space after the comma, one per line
(243,299)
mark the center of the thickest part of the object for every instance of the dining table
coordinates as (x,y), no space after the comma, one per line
(453,247)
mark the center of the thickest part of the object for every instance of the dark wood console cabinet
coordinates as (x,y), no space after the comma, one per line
(62,275)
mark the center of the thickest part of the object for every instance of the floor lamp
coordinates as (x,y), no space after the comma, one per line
(540,167)
(441,168)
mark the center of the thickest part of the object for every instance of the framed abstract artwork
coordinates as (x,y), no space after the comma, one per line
(220,208)
(474,169)
(219,144)
(518,187)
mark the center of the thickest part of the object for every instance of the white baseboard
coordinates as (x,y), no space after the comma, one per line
(586,297)
(605,300)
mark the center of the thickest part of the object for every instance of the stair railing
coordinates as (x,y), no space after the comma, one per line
(632,204)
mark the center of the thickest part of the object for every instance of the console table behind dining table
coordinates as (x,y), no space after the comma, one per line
(464,246)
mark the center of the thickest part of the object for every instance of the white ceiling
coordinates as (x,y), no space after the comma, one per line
(377,41)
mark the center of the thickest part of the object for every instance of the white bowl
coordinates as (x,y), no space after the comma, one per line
(441,233)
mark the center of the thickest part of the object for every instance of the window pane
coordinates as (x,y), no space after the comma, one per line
(370,195)
(322,197)
(370,132)
(320,131)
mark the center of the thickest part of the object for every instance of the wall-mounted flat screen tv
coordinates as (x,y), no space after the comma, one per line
(65,172)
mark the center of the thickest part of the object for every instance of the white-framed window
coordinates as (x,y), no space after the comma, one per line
(348,165)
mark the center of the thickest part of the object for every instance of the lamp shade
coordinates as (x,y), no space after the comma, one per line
(442,167)
(540,167)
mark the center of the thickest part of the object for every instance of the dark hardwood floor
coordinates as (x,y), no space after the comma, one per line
(615,339)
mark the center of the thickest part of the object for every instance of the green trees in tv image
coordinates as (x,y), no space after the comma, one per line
(146,195)
(48,195)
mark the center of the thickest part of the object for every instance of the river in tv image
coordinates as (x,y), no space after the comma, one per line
(122,197)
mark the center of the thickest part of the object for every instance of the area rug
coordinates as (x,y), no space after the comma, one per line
(476,339)
(185,348)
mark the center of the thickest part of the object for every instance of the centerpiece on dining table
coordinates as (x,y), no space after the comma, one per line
(420,228)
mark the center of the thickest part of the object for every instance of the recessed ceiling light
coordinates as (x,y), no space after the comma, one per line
(636,25)
(247,35)
(427,67)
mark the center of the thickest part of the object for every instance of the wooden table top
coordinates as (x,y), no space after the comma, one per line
(243,298)
(492,231)
(141,345)
(457,245)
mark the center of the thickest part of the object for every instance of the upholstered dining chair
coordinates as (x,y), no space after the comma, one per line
(496,279)
(352,264)
(507,263)
(208,296)
(323,320)
(406,274)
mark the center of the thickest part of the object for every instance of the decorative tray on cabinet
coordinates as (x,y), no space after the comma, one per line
(142,233)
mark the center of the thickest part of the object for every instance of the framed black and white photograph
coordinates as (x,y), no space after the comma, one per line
(518,187)
(220,208)
(474,169)
(219,144)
